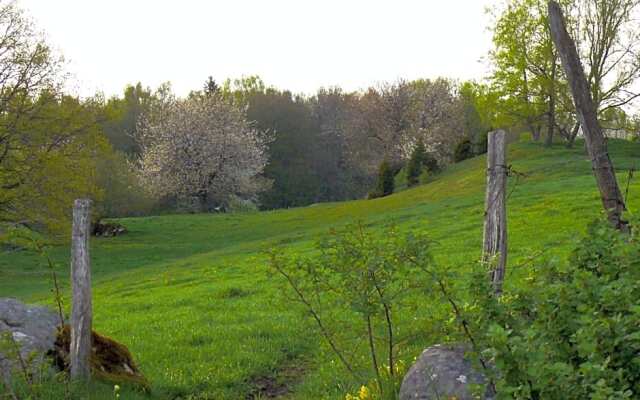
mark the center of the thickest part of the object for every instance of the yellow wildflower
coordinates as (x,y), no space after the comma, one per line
(363,394)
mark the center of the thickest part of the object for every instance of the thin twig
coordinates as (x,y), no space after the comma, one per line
(374,358)
(318,320)
(459,317)
(23,365)
(58,299)
(56,286)
(9,386)
(387,315)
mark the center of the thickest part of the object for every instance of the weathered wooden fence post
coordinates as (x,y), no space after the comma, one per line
(495,214)
(588,116)
(81,313)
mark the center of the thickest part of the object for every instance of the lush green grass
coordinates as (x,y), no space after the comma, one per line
(189,294)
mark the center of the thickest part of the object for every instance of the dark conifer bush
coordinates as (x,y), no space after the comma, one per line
(416,163)
(386,183)
(463,151)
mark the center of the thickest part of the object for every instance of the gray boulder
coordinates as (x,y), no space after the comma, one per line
(32,330)
(443,372)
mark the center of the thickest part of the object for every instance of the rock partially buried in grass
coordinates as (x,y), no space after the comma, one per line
(108,229)
(443,372)
(29,330)
(28,334)
(110,361)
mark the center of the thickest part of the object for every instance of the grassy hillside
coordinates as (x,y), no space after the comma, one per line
(189,294)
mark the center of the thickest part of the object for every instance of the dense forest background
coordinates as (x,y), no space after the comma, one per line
(325,147)
(241,145)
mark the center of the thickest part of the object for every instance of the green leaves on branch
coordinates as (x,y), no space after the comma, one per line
(570,331)
(360,284)
(385,184)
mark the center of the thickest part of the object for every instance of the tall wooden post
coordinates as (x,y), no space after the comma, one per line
(588,116)
(81,313)
(495,214)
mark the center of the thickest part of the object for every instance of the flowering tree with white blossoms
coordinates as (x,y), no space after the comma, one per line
(201,147)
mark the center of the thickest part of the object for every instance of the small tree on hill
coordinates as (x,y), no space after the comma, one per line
(463,151)
(386,182)
(416,162)
(431,163)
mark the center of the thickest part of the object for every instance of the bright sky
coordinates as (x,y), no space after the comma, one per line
(299,45)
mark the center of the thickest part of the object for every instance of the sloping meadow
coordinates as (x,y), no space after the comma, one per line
(191,296)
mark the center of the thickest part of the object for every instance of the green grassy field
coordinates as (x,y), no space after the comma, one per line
(190,296)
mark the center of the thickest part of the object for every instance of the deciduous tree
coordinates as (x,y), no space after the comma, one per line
(532,86)
(48,141)
(201,148)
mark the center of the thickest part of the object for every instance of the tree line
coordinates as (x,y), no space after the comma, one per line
(308,149)
(242,145)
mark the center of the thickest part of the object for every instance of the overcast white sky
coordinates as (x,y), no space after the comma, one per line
(299,45)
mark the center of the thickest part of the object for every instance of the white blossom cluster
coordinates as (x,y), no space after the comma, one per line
(387,122)
(201,147)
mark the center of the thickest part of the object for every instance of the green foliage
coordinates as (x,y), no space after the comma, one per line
(416,162)
(121,116)
(431,163)
(328,147)
(239,91)
(308,160)
(464,150)
(237,204)
(290,164)
(635,126)
(481,112)
(372,275)
(523,55)
(52,163)
(570,331)
(22,379)
(386,181)
(124,194)
(481,144)
(164,288)
(55,389)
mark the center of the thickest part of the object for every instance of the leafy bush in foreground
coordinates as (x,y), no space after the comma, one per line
(571,331)
(567,331)
(371,278)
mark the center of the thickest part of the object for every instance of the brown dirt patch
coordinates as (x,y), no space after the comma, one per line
(279,384)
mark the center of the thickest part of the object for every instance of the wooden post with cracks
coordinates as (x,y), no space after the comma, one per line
(494,248)
(588,116)
(81,312)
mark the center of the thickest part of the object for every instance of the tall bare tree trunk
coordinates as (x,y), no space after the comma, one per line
(495,215)
(587,115)
(81,313)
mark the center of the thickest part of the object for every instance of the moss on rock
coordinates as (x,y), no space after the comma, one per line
(110,361)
